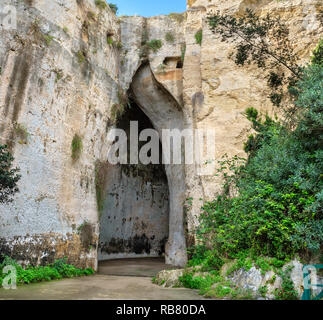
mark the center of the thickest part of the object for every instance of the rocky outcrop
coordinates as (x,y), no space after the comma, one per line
(253,280)
(62,73)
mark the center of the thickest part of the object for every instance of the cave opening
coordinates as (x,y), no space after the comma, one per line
(135,220)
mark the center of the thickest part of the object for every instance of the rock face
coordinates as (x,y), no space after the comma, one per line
(252,280)
(63,73)
(59,77)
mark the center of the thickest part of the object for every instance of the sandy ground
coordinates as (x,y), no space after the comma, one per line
(116,279)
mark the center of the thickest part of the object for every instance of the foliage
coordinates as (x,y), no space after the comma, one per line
(169,37)
(199,37)
(101,4)
(77,147)
(271,207)
(57,270)
(109,40)
(114,8)
(155,45)
(265,42)
(318,54)
(287,290)
(212,285)
(81,57)
(21,133)
(8,177)
(48,38)
(179,17)
(263,291)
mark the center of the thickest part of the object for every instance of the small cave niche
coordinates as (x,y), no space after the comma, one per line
(173,62)
(135,218)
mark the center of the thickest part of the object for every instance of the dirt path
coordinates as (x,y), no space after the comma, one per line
(118,279)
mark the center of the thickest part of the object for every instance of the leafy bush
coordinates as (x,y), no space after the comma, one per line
(114,8)
(155,45)
(287,290)
(8,177)
(318,54)
(58,270)
(77,147)
(199,37)
(169,37)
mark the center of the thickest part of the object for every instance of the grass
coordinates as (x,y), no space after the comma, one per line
(109,40)
(47,38)
(101,4)
(199,37)
(213,285)
(77,147)
(55,271)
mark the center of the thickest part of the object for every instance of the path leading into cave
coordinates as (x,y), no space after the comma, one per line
(116,279)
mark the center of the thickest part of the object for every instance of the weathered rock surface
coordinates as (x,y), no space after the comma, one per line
(60,78)
(249,281)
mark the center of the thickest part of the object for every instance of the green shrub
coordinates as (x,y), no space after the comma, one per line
(263,291)
(199,37)
(77,147)
(287,290)
(155,45)
(31,274)
(109,40)
(9,176)
(277,210)
(113,7)
(101,4)
(318,54)
(169,37)
(81,57)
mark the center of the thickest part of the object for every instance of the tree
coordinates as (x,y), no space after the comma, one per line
(8,176)
(263,41)
(113,7)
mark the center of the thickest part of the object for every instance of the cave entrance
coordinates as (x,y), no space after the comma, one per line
(144,205)
(135,219)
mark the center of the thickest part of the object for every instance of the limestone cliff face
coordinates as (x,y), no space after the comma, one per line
(60,77)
